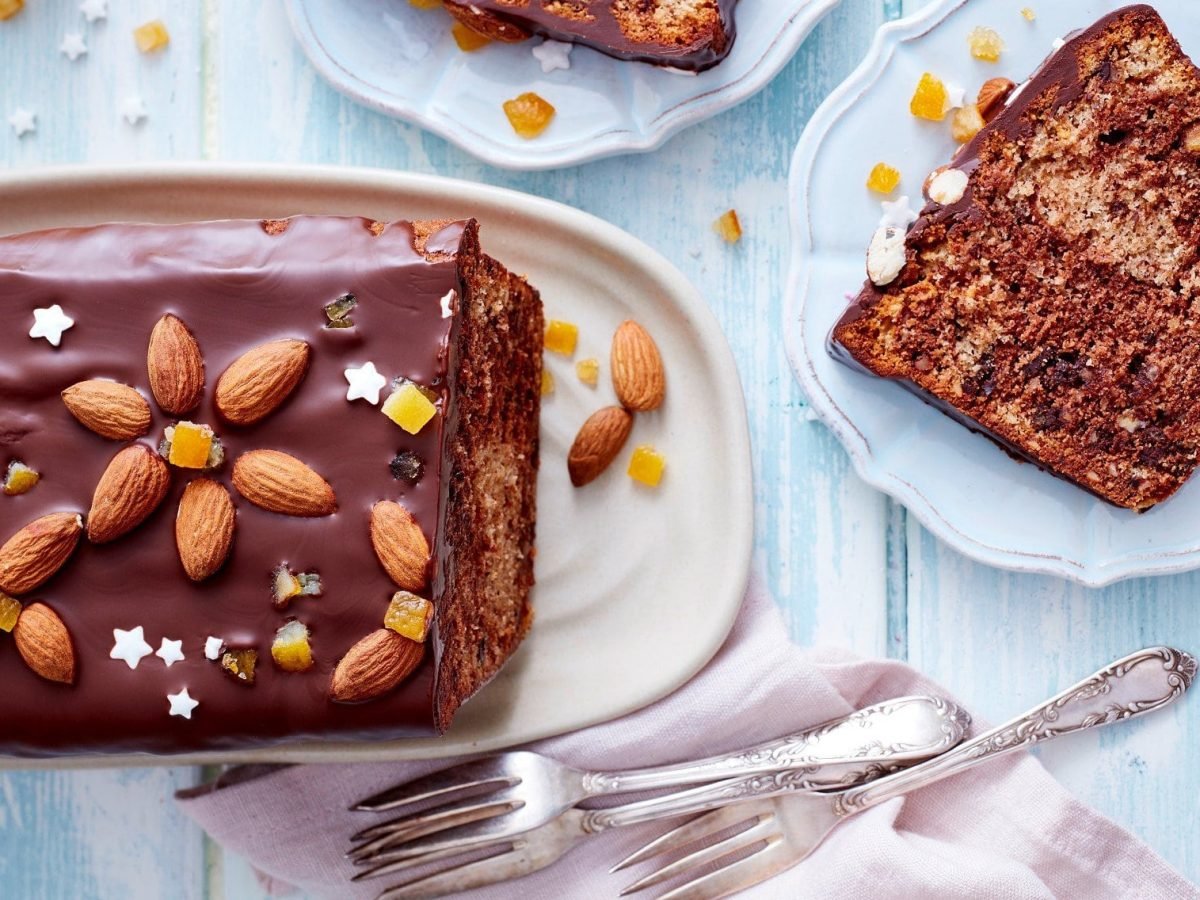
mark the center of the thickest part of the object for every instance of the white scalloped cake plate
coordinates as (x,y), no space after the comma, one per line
(960,485)
(637,588)
(403,61)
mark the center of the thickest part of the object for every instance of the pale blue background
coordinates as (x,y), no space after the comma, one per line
(849,567)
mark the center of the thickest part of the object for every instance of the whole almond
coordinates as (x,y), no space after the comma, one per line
(175,366)
(37,551)
(993,96)
(281,483)
(131,488)
(637,368)
(259,380)
(400,545)
(374,666)
(598,443)
(44,643)
(114,411)
(204,528)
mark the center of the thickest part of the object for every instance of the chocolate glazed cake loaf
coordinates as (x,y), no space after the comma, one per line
(1054,305)
(275,481)
(682,34)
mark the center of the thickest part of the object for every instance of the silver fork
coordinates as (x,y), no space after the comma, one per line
(782,832)
(523,790)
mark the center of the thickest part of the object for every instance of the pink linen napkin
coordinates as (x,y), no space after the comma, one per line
(1007,830)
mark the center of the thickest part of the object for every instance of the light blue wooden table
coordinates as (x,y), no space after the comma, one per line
(849,567)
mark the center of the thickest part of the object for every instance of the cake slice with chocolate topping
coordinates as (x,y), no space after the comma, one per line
(1052,301)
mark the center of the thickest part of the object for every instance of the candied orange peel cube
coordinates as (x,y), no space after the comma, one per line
(286,585)
(291,648)
(468,39)
(646,465)
(729,226)
(191,446)
(9,8)
(20,478)
(409,615)
(561,337)
(409,407)
(1028,14)
(425,4)
(10,611)
(151,36)
(931,99)
(986,44)
(529,114)
(547,383)
(239,664)
(883,178)
(588,371)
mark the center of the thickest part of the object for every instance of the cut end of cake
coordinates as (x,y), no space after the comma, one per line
(1056,306)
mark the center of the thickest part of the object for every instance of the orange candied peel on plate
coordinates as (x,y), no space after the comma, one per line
(883,178)
(151,36)
(9,8)
(468,39)
(547,383)
(646,465)
(588,371)
(529,114)
(986,44)
(425,4)
(561,337)
(729,226)
(931,99)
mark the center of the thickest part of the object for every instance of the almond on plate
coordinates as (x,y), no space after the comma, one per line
(637,368)
(400,545)
(258,381)
(131,488)
(281,483)
(44,643)
(175,366)
(37,551)
(598,443)
(111,410)
(374,666)
(204,528)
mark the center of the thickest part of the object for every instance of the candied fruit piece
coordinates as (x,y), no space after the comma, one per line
(192,446)
(291,649)
(338,312)
(409,407)
(883,178)
(425,4)
(529,114)
(10,611)
(9,8)
(931,99)
(985,44)
(286,585)
(729,226)
(20,478)
(151,36)
(561,337)
(407,466)
(646,465)
(966,123)
(1028,14)
(409,615)
(547,383)
(239,664)
(588,371)
(468,39)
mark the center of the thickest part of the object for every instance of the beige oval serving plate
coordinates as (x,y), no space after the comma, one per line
(637,588)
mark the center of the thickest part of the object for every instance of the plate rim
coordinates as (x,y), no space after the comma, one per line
(1090,574)
(738,523)
(654,134)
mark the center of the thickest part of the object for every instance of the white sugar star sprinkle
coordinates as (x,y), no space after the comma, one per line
(170,652)
(94,10)
(553,55)
(130,646)
(448,304)
(50,323)
(897,214)
(23,121)
(133,109)
(72,46)
(182,704)
(365,383)
(213,647)
(956,95)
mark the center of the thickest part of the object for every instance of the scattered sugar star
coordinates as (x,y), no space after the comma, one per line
(72,46)
(213,647)
(94,10)
(50,323)
(170,652)
(448,304)
(897,214)
(365,383)
(956,95)
(553,55)
(182,704)
(130,646)
(133,109)
(23,121)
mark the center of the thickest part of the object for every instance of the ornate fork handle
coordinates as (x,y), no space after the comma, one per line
(831,755)
(1133,686)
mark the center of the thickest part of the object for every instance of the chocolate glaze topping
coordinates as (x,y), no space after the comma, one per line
(235,286)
